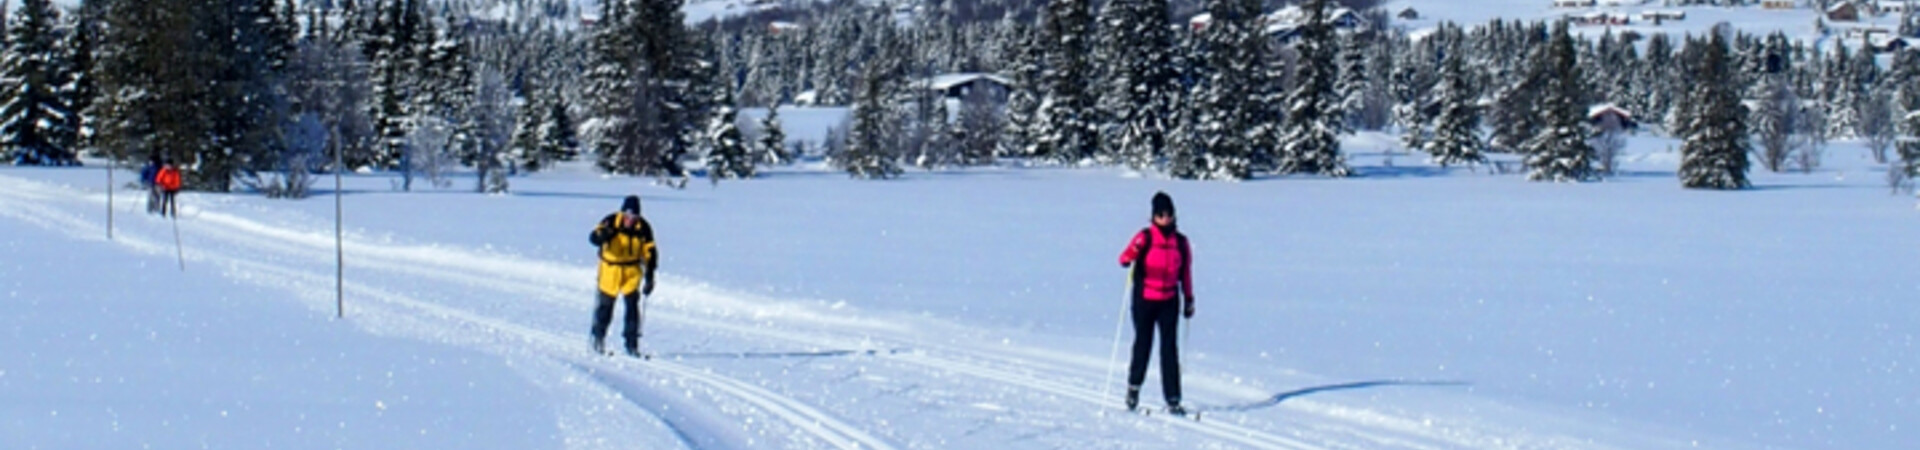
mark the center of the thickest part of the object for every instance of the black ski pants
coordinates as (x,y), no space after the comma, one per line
(603,317)
(1164,315)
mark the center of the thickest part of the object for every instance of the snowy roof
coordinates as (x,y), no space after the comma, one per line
(945,81)
(1606,108)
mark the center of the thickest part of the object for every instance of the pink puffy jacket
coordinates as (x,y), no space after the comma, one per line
(1165,267)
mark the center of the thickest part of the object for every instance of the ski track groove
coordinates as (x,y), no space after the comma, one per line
(538,280)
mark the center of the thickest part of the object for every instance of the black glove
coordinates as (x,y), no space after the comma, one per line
(647,288)
(1189,311)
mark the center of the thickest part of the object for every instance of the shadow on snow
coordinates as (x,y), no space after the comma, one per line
(1276,399)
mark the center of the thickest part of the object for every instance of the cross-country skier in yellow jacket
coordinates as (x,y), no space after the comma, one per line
(627,261)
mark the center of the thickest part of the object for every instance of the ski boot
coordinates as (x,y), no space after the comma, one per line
(1133,397)
(600,345)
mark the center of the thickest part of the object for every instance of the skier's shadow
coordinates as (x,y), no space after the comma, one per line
(1284,396)
(776,355)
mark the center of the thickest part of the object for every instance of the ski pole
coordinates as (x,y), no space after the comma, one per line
(639,328)
(179,249)
(1118,325)
(1186,328)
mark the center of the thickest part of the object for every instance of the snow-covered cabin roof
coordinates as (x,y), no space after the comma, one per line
(1596,111)
(780,26)
(945,81)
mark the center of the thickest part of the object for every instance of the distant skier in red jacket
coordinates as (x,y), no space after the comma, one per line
(168,180)
(1162,264)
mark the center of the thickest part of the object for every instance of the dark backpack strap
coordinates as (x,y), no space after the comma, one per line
(1186,260)
(1140,265)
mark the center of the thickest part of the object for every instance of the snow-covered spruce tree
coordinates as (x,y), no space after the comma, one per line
(874,134)
(1353,82)
(1313,121)
(1714,152)
(1515,116)
(1456,134)
(1775,120)
(1066,131)
(612,93)
(1223,111)
(1023,100)
(525,145)
(1410,82)
(491,116)
(1181,155)
(1369,56)
(1655,97)
(81,86)
(645,67)
(35,126)
(1777,112)
(925,138)
(727,155)
(772,145)
(453,88)
(977,131)
(1907,77)
(1139,84)
(1877,124)
(249,104)
(1561,152)
(394,51)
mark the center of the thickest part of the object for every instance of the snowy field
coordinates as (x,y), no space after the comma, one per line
(1410,307)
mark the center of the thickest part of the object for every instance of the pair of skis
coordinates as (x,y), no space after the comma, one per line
(1114,357)
(1190,413)
(599,346)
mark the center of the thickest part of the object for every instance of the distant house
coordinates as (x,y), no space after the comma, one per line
(1889,44)
(1409,14)
(1573,3)
(1199,22)
(1284,25)
(1611,117)
(1779,4)
(958,86)
(1896,7)
(1663,15)
(1866,33)
(1597,18)
(1844,12)
(782,27)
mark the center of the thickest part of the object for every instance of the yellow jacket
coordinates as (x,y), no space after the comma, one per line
(624,252)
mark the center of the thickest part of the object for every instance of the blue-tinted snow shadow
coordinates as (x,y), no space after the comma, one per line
(1276,399)
(778,354)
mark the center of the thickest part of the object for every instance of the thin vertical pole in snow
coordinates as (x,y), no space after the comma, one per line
(339,248)
(1186,328)
(640,328)
(1119,325)
(109,199)
(180,249)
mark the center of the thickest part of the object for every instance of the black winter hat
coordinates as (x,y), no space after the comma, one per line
(631,205)
(1162,203)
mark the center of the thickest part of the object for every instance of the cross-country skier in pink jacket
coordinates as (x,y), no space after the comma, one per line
(1162,265)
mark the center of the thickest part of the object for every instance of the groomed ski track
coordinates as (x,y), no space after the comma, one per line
(534,314)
